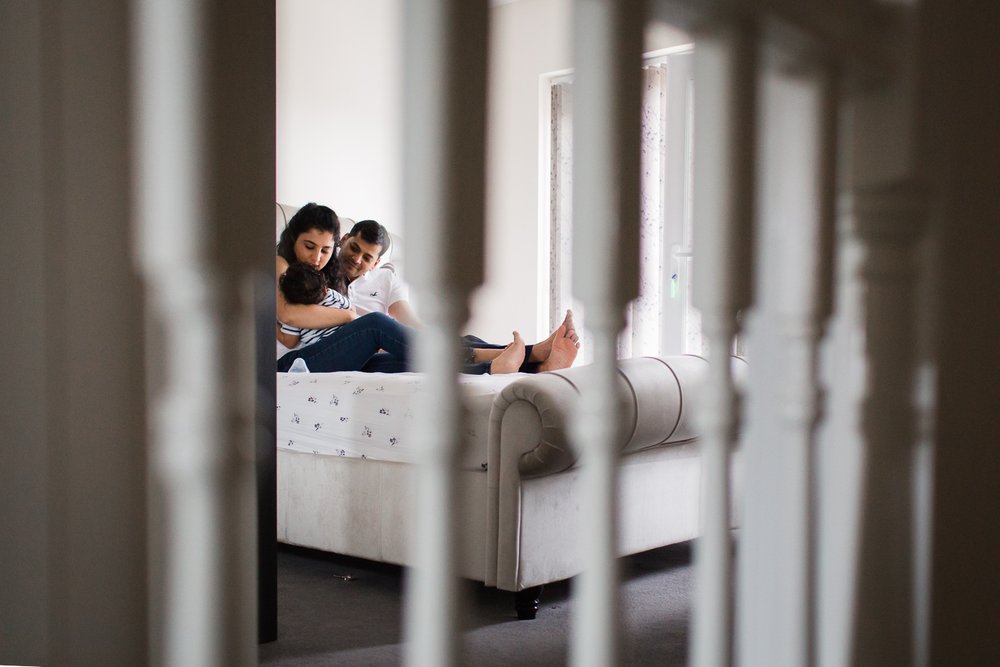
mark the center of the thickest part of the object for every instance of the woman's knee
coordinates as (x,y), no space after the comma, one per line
(383,323)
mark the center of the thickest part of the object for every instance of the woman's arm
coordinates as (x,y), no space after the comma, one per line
(285,338)
(307,316)
(312,316)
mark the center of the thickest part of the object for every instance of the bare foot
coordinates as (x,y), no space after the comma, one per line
(565,345)
(509,361)
(571,328)
(540,351)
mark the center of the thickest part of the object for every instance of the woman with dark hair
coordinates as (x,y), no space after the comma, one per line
(345,341)
(312,237)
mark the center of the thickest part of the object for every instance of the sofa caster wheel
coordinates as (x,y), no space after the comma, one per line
(526,603)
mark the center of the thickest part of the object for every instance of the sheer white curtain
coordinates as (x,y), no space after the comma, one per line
(661,320)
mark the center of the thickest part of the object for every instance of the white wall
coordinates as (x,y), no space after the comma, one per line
(338,106)
(339,118)
(530,38)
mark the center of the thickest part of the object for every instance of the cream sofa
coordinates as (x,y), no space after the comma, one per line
(519,514)
(519,511)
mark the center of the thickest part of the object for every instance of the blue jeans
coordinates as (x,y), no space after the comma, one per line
(351,346)
(479,343)
(356,346)
(383,362)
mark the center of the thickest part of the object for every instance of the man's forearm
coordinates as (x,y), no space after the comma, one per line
(404,313)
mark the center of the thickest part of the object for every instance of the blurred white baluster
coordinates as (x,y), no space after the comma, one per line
(887,203)
(445,84)
(776,597)
(608,45)
(202,400)
(724,75)
(890,222)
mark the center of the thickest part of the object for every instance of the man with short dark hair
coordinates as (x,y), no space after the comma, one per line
(372,288)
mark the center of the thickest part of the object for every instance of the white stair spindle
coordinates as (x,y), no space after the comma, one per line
(196,250)
(776,601)
(724,66)
(890,221)
(888,203)
(445,96)
(607,48)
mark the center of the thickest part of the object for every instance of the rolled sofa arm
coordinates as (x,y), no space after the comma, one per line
(529,435)
(654,395)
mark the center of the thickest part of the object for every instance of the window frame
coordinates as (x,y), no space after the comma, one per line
(662,320)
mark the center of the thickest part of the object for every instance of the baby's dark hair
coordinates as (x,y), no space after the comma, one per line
(302,283)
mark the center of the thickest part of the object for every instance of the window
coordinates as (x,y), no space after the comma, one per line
(661,320)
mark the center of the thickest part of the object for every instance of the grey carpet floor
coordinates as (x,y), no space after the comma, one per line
(334,610)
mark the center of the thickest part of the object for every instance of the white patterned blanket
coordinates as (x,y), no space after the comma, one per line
(370,415)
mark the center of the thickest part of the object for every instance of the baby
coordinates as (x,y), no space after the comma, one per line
(304,284)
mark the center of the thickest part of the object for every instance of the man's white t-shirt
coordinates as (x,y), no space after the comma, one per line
(378,289)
